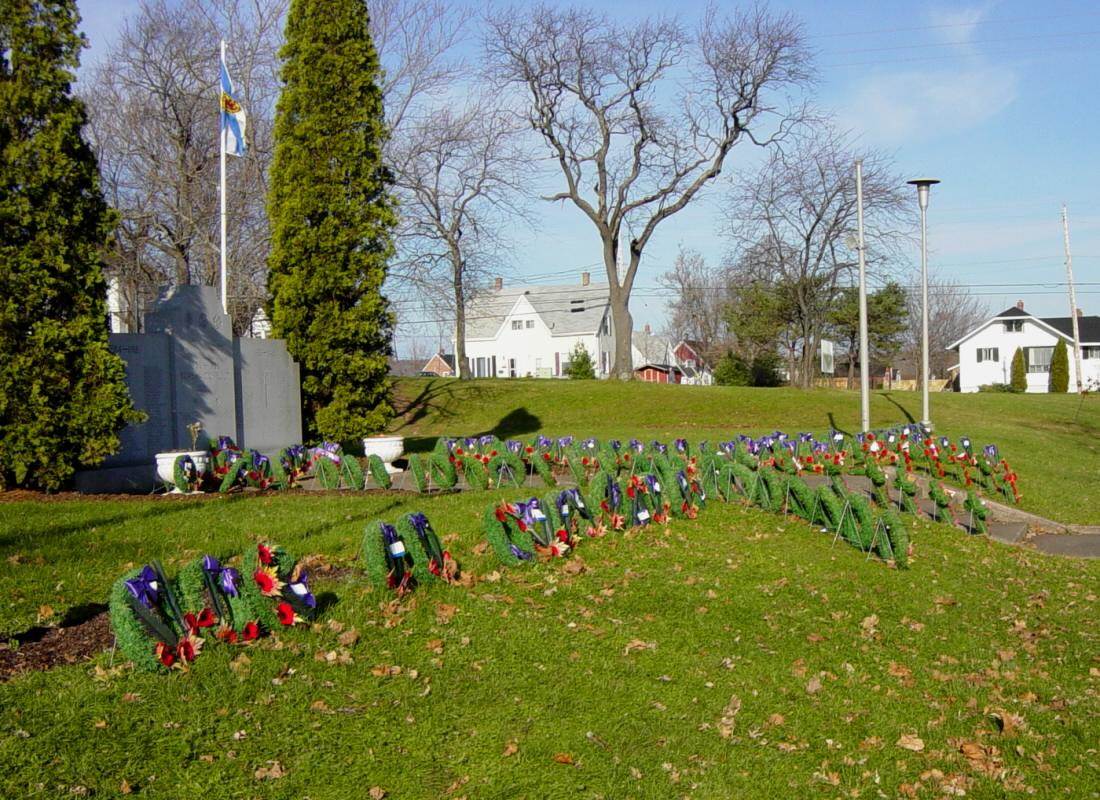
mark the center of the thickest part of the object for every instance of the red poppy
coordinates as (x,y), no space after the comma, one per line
(251,631)
(458,451)
(185,650)
(563,535)
(529,449)
(584,461)
(286,613)
(265,555)
(630,491)
(165,654)
(228,635)
(500,514)
(207,618)
(264,581)
(433,567)
(452,459)
(809,459)
(493,453)
(605,506)
(545,456)
(870,437)
(626,456)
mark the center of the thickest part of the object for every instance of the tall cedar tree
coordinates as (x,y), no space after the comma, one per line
(63,395)
(1059,368)
(1019,371)
(332,217)
(580,366)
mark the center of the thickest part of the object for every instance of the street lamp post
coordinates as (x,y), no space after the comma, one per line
(924,185)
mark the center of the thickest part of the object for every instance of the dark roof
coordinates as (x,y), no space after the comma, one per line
(662,367)
(1089,327)
(1013,312)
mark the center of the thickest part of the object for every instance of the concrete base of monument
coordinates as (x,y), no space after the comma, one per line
(135,479)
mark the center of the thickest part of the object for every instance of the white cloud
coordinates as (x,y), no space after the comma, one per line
(902,107)
(957,24)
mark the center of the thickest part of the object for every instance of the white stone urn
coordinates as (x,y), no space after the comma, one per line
(166,464)
(387,448)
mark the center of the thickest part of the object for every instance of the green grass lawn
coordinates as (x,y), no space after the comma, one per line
(736,655)
(1053,441)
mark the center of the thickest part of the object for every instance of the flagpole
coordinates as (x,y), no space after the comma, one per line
(221,138)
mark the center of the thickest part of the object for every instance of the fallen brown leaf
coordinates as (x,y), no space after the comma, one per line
(272,771)
(563,758)
(729,715)
(510,749)
(637,644)
(910,741)
(814,685)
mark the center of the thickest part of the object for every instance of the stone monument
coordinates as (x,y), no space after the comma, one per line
(188,367)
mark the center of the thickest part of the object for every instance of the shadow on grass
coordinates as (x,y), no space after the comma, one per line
(433,397)
(902,408)
(517,422)
(160,509)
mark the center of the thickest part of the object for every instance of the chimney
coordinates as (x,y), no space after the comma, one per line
(1020,304)
(647,329)
(498,284)
(1080,313)
(586,278)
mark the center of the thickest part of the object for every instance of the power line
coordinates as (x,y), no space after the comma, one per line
(946,25)
(1024,38)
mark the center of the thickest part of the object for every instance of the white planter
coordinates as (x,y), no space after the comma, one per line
(387,448)
(166,464)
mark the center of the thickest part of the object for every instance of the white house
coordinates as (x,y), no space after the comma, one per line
(530,331)
(985,354)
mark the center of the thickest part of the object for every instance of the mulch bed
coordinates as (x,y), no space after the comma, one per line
(43,648)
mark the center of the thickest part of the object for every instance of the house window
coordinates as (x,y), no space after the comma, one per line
(1038,359)
(517,324)
(1014,325)
(530,324)
(988,354)
(1090,352)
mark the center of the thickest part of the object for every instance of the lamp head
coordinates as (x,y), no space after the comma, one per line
(923,185)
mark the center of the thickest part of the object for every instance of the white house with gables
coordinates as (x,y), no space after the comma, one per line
(530,331)
(985,354)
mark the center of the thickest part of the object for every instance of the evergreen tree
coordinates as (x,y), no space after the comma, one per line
(63,396)
(332,217)
(580,366)
(1059,368)
(1019,372)
(732,370)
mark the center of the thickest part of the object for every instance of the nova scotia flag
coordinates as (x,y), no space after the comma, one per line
(233,120)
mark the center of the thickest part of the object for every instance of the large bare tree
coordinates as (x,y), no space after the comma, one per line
(460,172)
(640,117)
(790,225)
(154,125)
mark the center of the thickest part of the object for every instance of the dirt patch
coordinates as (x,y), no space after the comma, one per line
(44,648)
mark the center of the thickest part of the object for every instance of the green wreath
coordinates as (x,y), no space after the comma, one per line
(878,483)
(328,473)
(185,474)
(378,471)
(389,564)
(543,469)
(907,490)
(429,559)
(772,484)
(416,467)
(512,544)
(198,590)
(801,500)
(265,607)
(506,463)
(941,503)
(978,512)
(899,537)
(477,476)
(138,630)
(232,478)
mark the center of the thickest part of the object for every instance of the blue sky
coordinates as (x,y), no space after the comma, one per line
(996,99)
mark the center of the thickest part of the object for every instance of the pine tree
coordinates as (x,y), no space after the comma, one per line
(580,366)
(332,217)
(63,395)
(1059,368)
(1019,372)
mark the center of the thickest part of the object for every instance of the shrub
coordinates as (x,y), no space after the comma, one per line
(1059,368)
(732,370)
(1019,371)
(580,366)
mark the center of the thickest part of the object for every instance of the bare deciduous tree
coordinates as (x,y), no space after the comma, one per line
(697,298)
(790,222)
(639,118)
(953,311)
(154,124)
(459,172)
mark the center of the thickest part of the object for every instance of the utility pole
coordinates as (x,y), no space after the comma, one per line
(924,185)
(1072,302)
(864,355)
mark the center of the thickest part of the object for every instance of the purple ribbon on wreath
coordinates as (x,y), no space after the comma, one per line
(329,450)
(651,482)
(226,443)
(565,441)
(990,451)
(226,577)
(486,440)
(615,444)
(144,587)
(543,441)
(805,437)
(589,443)
(616,494)
(259,460)
(681,445)
(519,553)
(514,446)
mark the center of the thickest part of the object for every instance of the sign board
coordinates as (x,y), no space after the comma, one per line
(827,357)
